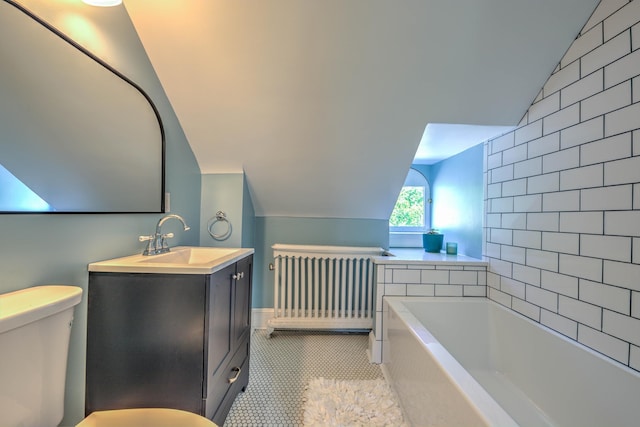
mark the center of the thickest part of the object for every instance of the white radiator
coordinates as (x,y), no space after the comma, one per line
(323,287)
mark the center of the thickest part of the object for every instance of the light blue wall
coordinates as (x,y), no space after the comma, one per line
(424,170)
(456,190)
(227,192)
(248,217)
(41,249)
(222,192)
(308,231)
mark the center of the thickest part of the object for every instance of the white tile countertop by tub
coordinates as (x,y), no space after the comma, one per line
(419,256)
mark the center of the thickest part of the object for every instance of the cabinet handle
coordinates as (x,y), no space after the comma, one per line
(235,377)
(238,276)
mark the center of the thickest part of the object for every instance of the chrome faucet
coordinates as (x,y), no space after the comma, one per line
(158,241)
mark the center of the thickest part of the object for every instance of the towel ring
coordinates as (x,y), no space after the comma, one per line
(220,217)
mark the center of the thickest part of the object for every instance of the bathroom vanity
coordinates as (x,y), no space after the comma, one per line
(169,332)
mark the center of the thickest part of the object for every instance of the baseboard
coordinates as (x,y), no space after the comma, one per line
(375,349)
(260,316)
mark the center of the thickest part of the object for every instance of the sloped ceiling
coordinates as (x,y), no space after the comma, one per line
(323,102)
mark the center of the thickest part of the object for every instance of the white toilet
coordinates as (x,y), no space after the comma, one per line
(35,326)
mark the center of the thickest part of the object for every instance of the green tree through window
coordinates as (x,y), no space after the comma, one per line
(409,208)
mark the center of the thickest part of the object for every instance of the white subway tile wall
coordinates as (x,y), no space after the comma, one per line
(616,147)
(462,279)
(562,224)
(590,130)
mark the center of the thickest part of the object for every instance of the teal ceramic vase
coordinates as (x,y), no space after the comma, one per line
(432,242)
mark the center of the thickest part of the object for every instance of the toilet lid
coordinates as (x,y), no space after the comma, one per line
(145,417)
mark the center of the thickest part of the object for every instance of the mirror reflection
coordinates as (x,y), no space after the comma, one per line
(75,135)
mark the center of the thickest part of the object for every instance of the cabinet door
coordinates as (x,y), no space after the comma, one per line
(219,312)
(145,341)
(242,299)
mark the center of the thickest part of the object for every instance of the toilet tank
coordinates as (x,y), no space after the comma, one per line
(35,326)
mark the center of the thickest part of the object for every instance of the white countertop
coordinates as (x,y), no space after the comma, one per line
(180,260)
(419,256)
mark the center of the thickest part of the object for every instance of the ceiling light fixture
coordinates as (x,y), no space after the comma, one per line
(103,3)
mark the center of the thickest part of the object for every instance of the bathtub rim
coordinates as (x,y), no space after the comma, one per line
(613,368)
(395,300)
(491,413)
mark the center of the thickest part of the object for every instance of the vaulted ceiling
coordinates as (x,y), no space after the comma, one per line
(323,102)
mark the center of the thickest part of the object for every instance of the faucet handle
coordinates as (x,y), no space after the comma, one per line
(150,246)
(164,246)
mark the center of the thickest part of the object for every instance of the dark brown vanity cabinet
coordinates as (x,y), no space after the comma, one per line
(169,340)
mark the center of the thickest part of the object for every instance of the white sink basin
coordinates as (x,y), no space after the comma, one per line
(181,260)
(190,256)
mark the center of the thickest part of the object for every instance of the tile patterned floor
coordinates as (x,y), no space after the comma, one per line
(281,366)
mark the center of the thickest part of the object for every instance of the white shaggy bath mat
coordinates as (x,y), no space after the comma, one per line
(329,402)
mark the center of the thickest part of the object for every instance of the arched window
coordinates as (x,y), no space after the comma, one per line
(411,212)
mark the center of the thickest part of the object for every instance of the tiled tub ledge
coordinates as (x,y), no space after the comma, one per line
(419,256)
(414,272)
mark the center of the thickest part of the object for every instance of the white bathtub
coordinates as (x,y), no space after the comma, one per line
(468,361)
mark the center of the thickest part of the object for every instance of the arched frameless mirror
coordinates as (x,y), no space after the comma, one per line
(75,134)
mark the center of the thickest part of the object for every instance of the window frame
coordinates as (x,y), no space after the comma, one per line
(415,179)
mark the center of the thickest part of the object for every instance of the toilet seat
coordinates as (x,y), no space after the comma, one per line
(145,417)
